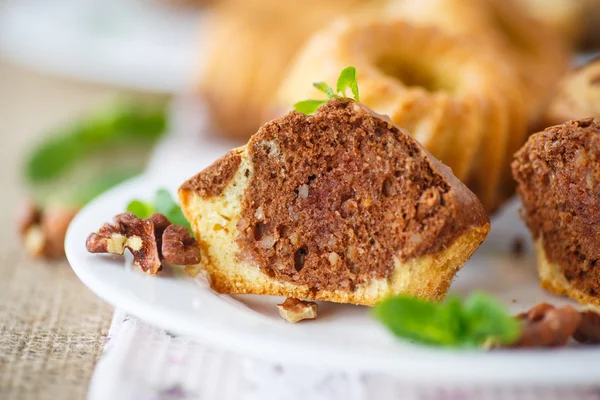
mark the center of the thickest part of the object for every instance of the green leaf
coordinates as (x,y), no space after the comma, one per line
(178,218)
(101,183)
(308,106)
(140,208)
(165,204)
(486,319)
(323,87)
(419,320)
(347,80)
(477,322)
(121,122)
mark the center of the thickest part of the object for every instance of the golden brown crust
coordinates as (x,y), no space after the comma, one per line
(216,177)
(429,277)
(519,41)
(564,16)
(553,279)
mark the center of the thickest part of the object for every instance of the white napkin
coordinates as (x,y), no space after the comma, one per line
(141,361)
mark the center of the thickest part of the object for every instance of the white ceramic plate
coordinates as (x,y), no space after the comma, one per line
(344,336)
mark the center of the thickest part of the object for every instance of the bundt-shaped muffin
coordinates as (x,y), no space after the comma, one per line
(577,95)
(558,176)
(250,44)
(533,48)
(340,206)
(461,104)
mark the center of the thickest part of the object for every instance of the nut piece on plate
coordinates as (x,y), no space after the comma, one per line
(588,331)
(294,310)
(161,223)
(43,231)
(179,247)
(547,326)
(128,232)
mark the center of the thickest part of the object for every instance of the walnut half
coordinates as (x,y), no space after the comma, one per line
(150,241)
(294,310)
(179,247)
(547,326)
(128,232)
(43,231)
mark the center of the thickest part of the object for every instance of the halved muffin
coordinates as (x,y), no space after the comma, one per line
(340,206)
(558,177)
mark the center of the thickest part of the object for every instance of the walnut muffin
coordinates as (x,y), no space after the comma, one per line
(558,175)
(340,206)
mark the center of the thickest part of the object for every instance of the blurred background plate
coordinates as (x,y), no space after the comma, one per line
(146,45)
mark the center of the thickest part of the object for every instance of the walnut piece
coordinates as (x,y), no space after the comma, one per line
(128,232)
(547,326)
(294,310)
(29,215)
(161,223)
(588,331)
(150,241)
(179,247)
(43,231)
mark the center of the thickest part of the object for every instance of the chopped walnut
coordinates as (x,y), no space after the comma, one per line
(588,331)
(547,326)
(294,310)
(128,232)
(29,215)
(43,231)
(179,247)
(161,223)
(150,241)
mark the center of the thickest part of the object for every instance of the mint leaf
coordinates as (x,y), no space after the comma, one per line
(487,319)
(140,209)
(178,218)
(478,321)
(99,184)
(323,87)
(308,106)
(122,122)
(163,204)
(419,320)
(347,80)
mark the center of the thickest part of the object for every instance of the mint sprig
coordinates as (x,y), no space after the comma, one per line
(346,80)
(308,106)
(163,203)
(474,323)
